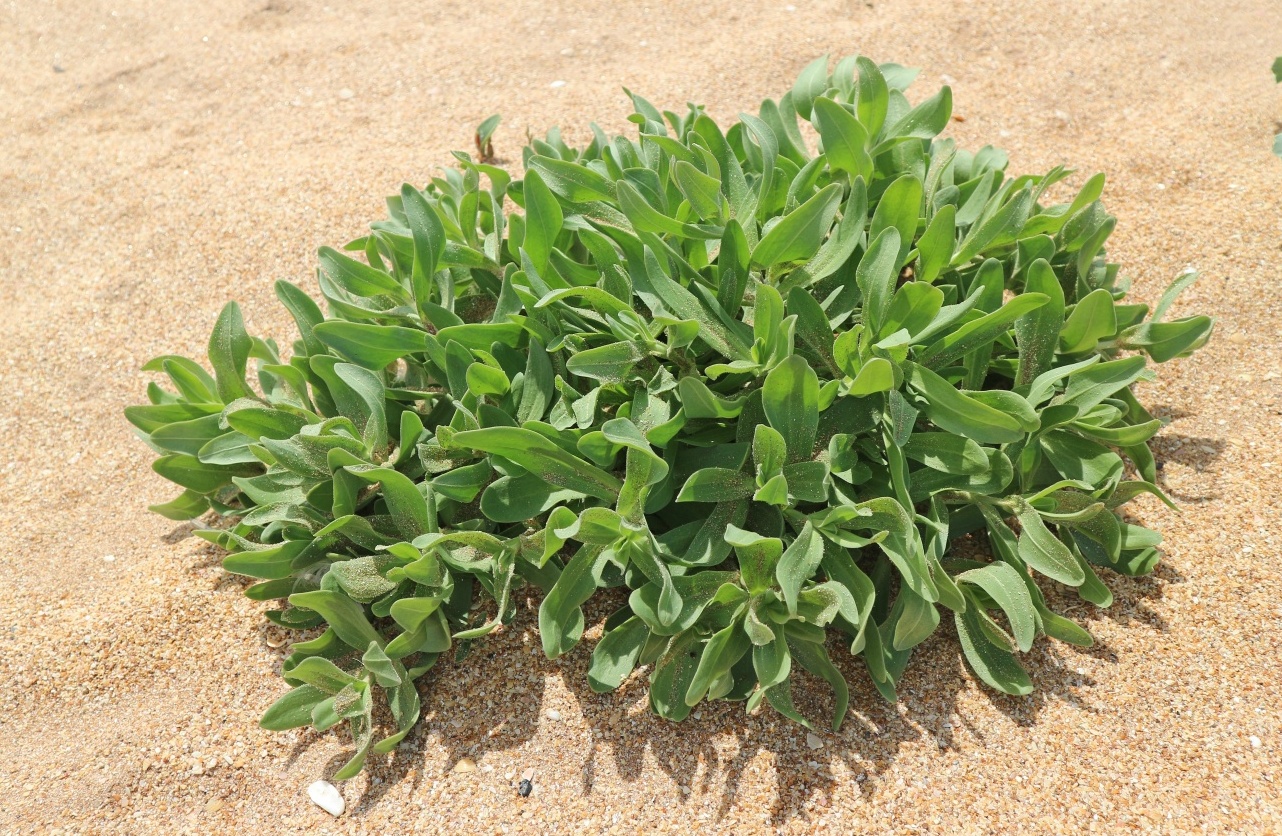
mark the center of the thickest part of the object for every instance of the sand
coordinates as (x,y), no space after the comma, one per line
(159,158)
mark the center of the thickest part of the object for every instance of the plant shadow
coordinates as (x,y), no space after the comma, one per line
(489,703)
(492,701)
(1193,452)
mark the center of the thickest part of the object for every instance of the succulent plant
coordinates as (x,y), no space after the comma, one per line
(762,388)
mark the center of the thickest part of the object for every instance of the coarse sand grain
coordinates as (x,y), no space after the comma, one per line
(158,158)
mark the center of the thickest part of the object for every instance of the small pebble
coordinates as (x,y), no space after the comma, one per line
(813,741)
(553,714)
(346,93)
(558,83)
(465,765)
(1255,742)
(326,796)
(214,805)
(110,558)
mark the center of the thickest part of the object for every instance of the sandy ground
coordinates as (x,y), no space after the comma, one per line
(158,158)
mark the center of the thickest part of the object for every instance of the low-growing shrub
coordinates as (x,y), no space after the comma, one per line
(762,388)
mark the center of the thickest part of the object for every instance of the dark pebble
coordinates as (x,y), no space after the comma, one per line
(525,788)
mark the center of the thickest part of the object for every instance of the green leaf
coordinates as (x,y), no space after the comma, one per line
(405,503)
(294,709)
(810,85)
(359,279)
(543,220)
(703,192)
(543,458)
(790,398)
(187,506)
(999,230)
(610,363)
(272,563)
(716,484)
(229,354)
(1043,551)
(955,412)
(573,182)
(758,556)
(360,397)
(561,614)
(872,95)
(670,681)
(429,243)
(797,236)
(840,245)
(307,314)
(188,436)
(1091,320)
(344,616)
(771,660)
(876,275)
(682,304)
(797,564)
(371,346)
(979,332)
(877,375)
(189,472)
(726,647)
(646,218)
(935,247)
(845,142)
(946,452)
(1089,387)
(699,401)
(813,327)
(1167,340)
(483,380)
(1004,585)
(899,208)
(615,656)
(917,619)
(1037,331)
(925,121)
(992,664)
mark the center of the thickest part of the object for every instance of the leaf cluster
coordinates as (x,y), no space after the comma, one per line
(761,389)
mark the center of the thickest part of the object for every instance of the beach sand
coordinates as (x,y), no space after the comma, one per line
(159,158)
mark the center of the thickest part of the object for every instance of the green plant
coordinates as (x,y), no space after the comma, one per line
(1277,76)
(761,388)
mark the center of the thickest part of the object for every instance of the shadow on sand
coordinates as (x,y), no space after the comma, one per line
(492,701)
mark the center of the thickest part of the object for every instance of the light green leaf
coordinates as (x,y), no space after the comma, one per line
(845,141)
(798,563)
(790,398)
(716,484)
(537,454)
(543,220)
(797,236)
(1043,551)
(1091,320)
(955,412)
(371,346)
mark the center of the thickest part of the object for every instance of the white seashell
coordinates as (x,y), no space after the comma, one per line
(327,797)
